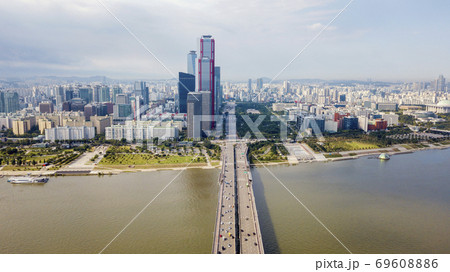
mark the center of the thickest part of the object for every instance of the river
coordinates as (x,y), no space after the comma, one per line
(398,206)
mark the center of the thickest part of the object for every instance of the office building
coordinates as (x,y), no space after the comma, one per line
(387,107)
(122,111)
(206,111)
(116,91)
(46,107)
(96,93)
(9,102)
(140,89)
(77,104)
(350,123)
(194,112)
(259,83)
(85,94)
(191,58)
(186,84)
(206,68)
(217,90)
(68,95)
(104,95)
(122,99)
(440,84)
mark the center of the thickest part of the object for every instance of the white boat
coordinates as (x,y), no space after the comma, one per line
(27,180)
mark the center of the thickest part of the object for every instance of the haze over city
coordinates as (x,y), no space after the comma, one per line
(381,40)
(308,128)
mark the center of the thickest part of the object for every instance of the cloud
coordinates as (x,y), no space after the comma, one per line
(320,26)
(254,38)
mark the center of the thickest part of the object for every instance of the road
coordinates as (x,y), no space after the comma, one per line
(225,232)
(237,226)
(84,161)
(249,231)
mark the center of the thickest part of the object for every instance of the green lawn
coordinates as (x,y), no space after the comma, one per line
(333,146)
(147,159)
(21,168)
(332,155)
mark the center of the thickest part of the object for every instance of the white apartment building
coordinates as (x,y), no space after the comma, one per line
(69,133)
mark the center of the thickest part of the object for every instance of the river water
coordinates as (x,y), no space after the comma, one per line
(397,206)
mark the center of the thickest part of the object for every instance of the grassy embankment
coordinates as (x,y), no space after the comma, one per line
(125,158)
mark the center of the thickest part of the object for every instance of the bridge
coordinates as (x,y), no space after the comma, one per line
(237,229)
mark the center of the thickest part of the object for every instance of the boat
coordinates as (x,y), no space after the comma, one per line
(384,157)
(27,180)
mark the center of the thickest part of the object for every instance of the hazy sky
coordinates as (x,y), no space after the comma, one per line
(377,39)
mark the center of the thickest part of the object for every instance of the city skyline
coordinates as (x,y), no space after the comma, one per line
(382,41)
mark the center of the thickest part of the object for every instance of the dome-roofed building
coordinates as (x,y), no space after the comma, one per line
(442,107)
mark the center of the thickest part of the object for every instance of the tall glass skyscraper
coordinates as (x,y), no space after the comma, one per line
(186,84)
(191,58)
(206,68)
(217,90)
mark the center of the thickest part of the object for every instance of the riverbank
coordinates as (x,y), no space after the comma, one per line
(108,170)
(316,157)
(352,155)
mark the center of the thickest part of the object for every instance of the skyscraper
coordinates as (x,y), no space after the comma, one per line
(191,58)
(104,95)
(68,95)
(85,94)
(206,67)
(217,89)
(96,94)
(206,110)
(440,84)
(140,89)
(249,85)
(116,90)
(259,83)
(10,102)
(194,110)
(186,84)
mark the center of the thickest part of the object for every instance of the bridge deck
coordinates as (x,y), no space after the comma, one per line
(237,225)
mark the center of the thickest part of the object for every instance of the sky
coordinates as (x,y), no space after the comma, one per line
(390,40)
